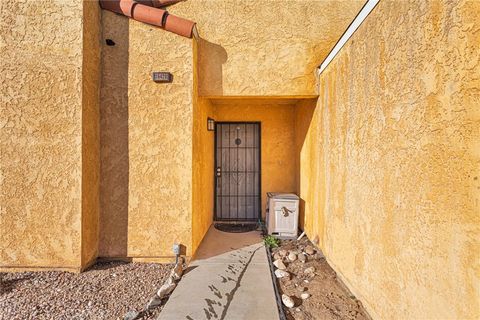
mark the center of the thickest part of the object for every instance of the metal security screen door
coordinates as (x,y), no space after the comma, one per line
(237,171)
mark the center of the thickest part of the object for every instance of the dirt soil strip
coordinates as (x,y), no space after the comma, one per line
(329,298)
(108,290)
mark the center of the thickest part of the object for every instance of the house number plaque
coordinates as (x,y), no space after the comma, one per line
(162,77)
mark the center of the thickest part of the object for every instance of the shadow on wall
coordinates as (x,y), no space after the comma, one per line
(114,166)
(303,118)
(211,57)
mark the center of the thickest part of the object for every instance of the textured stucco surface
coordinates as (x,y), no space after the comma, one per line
(390,163)
(43,138)
(91,75)
(114,154)
(277,118)
(160,129)
(155,158)
(203,179)
(264,47)
(41,134)
(146,142)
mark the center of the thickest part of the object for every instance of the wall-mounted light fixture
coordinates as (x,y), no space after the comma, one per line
(210,124)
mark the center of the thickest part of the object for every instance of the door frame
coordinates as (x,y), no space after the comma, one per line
(259,213)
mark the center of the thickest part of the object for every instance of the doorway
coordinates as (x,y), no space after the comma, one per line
(237,171)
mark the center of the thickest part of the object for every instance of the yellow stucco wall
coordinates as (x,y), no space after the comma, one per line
(306,137)
(91,75)
(44,139)
(146,142)
(390,164)
(160,124)
(264,47)
(114,156)
(277,119)
(153,182)
(203,159)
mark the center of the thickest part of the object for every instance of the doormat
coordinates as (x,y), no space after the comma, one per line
(236,227)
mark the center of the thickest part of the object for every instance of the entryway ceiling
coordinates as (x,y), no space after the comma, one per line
(264,47)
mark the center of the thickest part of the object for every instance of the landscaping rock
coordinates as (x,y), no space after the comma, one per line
(281,273)
(177,271)
(302,258)
(309,250)
(287,301)
(167,288)
(309,270)
(279,264)
(277,256)
(318,256)
(154,302)
(305,295)
(94,294)
(292,257)
(282,252)
(131,315)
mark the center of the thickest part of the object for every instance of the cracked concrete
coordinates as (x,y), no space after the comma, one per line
(229,278)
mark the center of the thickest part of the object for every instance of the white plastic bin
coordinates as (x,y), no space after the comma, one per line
(282,214)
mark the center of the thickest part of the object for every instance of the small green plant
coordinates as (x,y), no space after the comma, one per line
(271,242)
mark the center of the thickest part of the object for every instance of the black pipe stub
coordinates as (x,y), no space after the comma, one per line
(110,42)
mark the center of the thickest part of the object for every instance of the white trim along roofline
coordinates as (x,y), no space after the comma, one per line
(361,16)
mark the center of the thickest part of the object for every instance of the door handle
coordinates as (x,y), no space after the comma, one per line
(218,172)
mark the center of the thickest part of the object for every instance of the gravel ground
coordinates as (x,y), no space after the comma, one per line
(328,298)
(105,291)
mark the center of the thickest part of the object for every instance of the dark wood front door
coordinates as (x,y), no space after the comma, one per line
(237,171)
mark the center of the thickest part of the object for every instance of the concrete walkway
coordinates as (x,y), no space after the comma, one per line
(229,278)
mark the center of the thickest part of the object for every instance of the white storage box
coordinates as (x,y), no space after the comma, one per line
(282,214)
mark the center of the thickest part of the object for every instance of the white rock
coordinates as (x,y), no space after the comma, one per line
(277,256)
(279,264)
(282,252)
(292,256)
(309,250)
(131,315)
(309,270)
(281,273)
(287,301)
(166,288)
(177,271)
(155,301)
(305,295)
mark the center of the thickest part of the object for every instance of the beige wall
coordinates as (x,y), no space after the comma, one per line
(44,140)
(390,163)
(264,47)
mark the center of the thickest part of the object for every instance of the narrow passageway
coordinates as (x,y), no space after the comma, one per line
(229,278)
